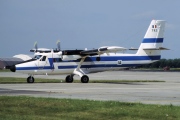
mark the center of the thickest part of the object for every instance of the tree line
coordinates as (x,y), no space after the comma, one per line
(172,63)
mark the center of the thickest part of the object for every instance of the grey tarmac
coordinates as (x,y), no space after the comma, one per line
(142,92)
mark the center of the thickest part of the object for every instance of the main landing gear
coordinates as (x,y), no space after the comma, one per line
(84,79)
(79,72)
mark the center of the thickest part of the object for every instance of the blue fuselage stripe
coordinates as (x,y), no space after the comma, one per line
(98,66)
(35,68)
(152,40)
(93,59)
(123,58)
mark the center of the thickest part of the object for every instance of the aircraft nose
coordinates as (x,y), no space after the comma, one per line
(13,68)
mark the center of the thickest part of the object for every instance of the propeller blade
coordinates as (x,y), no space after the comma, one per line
(35,45)
(58,45)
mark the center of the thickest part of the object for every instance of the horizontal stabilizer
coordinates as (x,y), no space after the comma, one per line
(160,48)
(133,49)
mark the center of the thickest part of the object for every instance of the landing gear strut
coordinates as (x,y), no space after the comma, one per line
(30,79)
(79,72)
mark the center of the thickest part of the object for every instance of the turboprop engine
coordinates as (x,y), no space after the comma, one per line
(70,57)
(69,54)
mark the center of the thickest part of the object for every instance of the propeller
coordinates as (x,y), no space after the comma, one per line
(59,48)
(36,46)
(41,50)
(45,50)
(58,45)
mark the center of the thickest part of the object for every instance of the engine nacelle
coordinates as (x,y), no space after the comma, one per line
(71,57)
(111,49)
(59,53)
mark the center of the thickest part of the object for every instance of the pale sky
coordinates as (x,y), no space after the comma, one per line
(81,24)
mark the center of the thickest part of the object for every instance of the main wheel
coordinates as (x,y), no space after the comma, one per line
(30,79)
(84,79)
(69,79)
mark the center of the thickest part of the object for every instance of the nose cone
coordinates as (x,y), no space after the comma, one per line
(13,68)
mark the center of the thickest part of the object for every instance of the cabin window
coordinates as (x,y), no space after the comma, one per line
(57,59)
(44,58)
(37,57)
(119,62)
(98,59)
(54,59)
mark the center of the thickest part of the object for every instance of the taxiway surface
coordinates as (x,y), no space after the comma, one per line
(151,93)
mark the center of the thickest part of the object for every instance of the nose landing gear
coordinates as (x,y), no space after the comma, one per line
(69,78)
(30,79)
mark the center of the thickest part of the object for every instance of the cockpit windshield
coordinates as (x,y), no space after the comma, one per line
(37,57)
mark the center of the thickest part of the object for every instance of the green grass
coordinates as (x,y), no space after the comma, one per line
(30,108)
(156,69)
(175,69)
(7,80)
(13,80)
(5,70)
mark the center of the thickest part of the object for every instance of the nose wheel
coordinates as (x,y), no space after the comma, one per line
(69,79)
(30,79)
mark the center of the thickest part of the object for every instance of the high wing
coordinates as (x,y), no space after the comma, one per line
(77,54)
(99,51)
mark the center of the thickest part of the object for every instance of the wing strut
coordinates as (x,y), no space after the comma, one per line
(78,71)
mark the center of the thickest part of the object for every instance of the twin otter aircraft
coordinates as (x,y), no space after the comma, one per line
(82,62)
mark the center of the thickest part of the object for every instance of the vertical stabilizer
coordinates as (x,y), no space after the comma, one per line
(153,39)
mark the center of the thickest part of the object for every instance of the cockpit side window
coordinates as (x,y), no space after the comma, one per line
(44,58)
(37,57)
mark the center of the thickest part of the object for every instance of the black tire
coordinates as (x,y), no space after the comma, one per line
(30,79)
(84,79)
(69,79)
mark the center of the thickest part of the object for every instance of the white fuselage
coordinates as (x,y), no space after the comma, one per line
(53,64)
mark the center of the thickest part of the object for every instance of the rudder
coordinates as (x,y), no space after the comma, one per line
(153,39)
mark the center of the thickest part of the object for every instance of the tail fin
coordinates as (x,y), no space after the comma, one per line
(153,39)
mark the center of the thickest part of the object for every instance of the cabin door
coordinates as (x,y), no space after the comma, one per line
(42,62)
